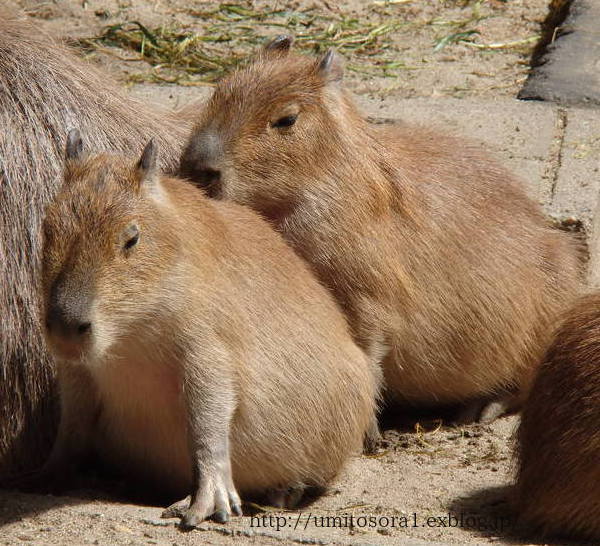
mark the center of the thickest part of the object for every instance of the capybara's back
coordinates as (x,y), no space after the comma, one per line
(44,90)
(558,482)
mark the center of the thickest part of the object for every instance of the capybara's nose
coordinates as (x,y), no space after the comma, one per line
(201,162)
(61,323)
(208,178)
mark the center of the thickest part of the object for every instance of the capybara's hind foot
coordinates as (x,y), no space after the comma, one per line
(494,410)
(486,410)
(372,438)
(286,499)
(177,509)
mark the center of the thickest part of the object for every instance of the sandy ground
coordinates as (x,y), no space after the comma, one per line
(432,486)
(494,64)
(429,484)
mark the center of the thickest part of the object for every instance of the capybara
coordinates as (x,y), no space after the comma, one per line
(449,274)
(194,348)
(558,481)
(45,89)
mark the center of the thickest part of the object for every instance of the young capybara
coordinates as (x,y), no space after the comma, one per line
(558,482)
(449,274)
(194,348)
(43,89)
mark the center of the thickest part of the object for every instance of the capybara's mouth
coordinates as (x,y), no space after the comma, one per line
(206,178)
(64,349)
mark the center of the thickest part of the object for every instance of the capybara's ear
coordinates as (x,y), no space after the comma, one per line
(147,163)
(147,166)
(278,46)
(74,146)
(331,67)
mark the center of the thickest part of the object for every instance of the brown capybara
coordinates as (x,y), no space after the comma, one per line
(195,349)
(449,274)
(45,89)
(558,481)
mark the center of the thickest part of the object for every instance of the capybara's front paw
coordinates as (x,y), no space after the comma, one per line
(216,498)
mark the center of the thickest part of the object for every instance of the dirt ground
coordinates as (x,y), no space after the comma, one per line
(432,473)
(394,48)
(429,484)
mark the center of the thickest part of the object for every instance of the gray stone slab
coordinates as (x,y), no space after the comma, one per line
(569,72)
(578,188)
(578,181)
(171,96)
(522,135)
(593,273)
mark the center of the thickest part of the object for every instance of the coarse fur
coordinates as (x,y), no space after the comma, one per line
(193,345)
(558,481)
(449,274)
(45,90)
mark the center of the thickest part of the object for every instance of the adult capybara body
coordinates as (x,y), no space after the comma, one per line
(44,90)
(558,482)
(195,350)
(449,274)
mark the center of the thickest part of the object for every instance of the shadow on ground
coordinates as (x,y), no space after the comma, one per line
(488,513)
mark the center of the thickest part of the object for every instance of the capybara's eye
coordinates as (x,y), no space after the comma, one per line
(132,236)
(285,121)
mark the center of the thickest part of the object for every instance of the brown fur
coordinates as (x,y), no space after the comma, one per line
(44,90)
(209,331)
(447,271)
(558,484)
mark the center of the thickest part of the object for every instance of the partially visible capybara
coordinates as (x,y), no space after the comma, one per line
(449,274)
(45,89)
(194,348)
(558,481)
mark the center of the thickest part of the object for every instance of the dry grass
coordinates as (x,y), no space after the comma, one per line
(230,32)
